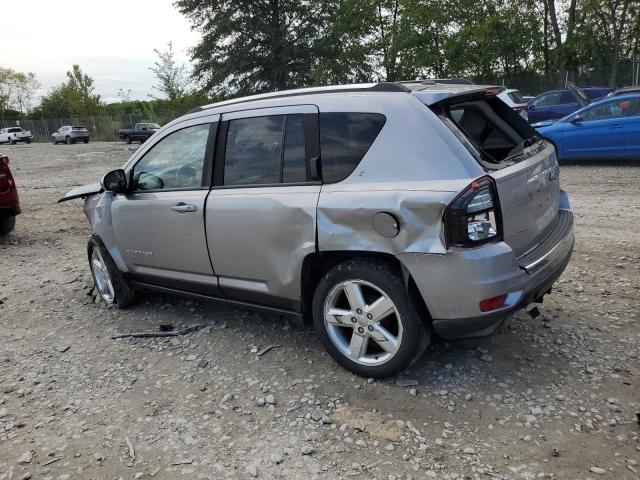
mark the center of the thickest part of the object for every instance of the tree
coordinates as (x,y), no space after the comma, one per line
(75,97)
(173,79)
(17,91)
(252,46)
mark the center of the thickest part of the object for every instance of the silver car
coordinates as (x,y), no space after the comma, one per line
(69,134)
(381,212)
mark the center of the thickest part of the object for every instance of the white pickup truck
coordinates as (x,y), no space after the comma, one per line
(14,135)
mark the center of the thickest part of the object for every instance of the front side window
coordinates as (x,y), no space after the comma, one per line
(345,138)
(608,110)
(175,162)
(265,150)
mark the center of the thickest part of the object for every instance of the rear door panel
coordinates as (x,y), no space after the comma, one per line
(258,235)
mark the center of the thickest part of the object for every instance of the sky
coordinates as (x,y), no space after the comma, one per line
(112,41)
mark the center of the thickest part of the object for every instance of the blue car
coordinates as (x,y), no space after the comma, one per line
(609,128)
(560,103)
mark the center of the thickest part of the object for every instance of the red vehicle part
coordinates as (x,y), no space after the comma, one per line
(9,202)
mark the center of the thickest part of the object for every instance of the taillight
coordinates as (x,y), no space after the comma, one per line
(473,218)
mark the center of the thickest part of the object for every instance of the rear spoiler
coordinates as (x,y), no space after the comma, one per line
(432,98)
(82,192)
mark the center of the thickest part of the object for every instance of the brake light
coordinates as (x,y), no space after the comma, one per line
(473,217)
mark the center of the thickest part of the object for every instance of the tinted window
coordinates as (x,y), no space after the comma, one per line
(568,97)
(548,100)
(253,151)
(176,161)
(344,140)
(516,97)
(265,150)
(604,111)
(293,164)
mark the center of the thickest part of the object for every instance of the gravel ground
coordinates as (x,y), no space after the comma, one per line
(549,397)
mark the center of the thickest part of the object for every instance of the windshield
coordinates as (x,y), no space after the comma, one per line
(153,125)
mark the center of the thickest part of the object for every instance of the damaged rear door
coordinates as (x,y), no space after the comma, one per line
(261,212)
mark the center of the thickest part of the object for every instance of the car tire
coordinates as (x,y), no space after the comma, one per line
(110,284)
(352,339)
(7,223)
(67,140)
(13,142)
(127,140)
(27,141)
(86,141)
(54,141)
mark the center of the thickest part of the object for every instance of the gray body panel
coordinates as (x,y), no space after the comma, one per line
(252,241)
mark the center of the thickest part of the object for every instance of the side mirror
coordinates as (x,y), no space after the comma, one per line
(114,181)
(575,120)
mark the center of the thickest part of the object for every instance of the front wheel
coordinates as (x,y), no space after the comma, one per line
(86,140)
(54,141)
(112,287)
(127,140)
(68,140)
(366,320)
(13,142)
(7,224)
(27,141)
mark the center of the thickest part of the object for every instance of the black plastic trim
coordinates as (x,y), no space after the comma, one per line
(205,297)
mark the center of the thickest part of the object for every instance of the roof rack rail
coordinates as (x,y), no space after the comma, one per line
(378,87)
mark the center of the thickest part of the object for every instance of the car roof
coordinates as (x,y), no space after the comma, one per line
(429,91)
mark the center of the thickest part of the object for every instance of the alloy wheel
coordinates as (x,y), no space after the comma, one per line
(102,277)
(363,322)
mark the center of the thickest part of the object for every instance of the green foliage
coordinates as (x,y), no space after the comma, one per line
(251,46)
(17,91)
(173,80)
(74,97)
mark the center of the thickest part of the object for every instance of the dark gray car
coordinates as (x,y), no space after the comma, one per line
(69,134)
(380,212)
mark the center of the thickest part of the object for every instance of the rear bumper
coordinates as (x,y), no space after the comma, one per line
(453,285)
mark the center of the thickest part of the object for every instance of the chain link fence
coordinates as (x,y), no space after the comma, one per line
(101,128)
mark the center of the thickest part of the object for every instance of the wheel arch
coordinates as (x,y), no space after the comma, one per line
(317,264)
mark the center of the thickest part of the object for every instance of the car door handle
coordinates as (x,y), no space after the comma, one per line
(184,208)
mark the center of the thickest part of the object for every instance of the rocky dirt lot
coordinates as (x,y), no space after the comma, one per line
(552,397)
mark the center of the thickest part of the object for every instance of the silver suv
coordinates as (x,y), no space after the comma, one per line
(381,212)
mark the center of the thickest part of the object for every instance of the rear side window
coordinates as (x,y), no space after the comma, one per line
(548,100)
(568,97)
(345,138)
(516,97)
(79,128)
(265,150)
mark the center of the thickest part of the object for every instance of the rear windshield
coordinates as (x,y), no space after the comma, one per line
(516,97)
(493,132)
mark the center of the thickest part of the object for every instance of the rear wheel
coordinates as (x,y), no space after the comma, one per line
(14,141)
(54,141)
(7,223)
(112,287)
(86,140)
(27,141)
(68,140)
(366,320)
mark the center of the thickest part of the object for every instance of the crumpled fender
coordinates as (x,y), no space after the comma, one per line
(81,192)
